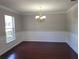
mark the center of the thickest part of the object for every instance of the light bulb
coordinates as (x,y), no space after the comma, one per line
(43,17)
(37,17)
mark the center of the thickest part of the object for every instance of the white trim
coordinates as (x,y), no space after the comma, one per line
(7,46)
(8,9)
(33,13)
(72,7)
(60,36)
(7,49)
(47,12)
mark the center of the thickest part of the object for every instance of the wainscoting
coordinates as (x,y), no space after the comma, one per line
(55,36)
(51,36)
(4,47)
(60,36)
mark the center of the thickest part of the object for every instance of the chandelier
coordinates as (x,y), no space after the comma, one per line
(40,17)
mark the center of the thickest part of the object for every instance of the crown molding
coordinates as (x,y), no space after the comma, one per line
(72,7)
(9,9)
(47,12)
(34,13)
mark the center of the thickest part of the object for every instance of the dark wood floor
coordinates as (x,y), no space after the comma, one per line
(40,50)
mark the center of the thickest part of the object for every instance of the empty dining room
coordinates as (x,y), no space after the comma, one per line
(38,29)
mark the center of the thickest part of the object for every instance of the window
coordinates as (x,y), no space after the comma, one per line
(9,28)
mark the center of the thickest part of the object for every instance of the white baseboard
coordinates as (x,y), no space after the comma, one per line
(73,42)
(4,47)
(7,49)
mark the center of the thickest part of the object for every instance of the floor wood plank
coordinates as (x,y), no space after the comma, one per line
(40,50)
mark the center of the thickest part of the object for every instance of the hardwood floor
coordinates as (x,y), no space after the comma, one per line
(40,50)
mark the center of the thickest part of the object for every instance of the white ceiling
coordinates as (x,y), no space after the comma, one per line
(34,5)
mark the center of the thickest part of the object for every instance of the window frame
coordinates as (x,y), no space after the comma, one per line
(8,38)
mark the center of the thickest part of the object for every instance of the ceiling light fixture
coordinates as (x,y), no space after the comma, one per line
(40,17)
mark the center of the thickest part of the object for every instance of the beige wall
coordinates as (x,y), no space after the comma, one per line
(3,45)
(53,22)
(72,15)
